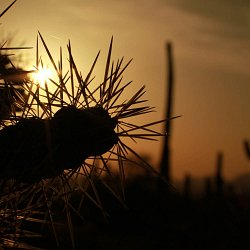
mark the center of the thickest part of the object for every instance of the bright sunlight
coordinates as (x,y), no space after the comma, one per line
(42,75)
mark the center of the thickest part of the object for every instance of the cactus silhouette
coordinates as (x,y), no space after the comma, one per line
(165,159)
(60,138)
(36,149)
(246,145)
(63,139)
(219,182)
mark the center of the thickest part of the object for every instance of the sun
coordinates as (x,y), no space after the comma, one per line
(42,75)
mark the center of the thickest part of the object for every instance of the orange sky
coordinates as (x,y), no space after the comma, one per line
(212,57)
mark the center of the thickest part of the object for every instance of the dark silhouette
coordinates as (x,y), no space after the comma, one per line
(35,149)
(219,177)
(165,160)
(208,187)
(12,94)
(187,186)
(246,144)
(7,8)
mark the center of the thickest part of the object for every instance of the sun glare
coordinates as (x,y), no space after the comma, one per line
(42,75)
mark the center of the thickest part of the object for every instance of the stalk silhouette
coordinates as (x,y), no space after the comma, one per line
(219,177)
(165,164)
(246,145)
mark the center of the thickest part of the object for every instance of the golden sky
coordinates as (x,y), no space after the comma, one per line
(211,42)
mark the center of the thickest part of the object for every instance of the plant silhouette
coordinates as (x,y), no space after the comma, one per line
(60,139)
(36,149)
(65,137)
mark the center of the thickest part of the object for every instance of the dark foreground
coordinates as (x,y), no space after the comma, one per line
(160,220)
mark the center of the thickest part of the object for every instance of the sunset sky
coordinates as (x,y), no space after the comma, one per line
(211,46)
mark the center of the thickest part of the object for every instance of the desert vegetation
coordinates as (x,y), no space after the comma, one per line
(70,179)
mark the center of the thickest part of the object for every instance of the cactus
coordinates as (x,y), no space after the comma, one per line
(219,182)
(165,160)
(246,145)
(43,125)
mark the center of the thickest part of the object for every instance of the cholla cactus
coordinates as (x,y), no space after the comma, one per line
(51,147)
(60,138)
